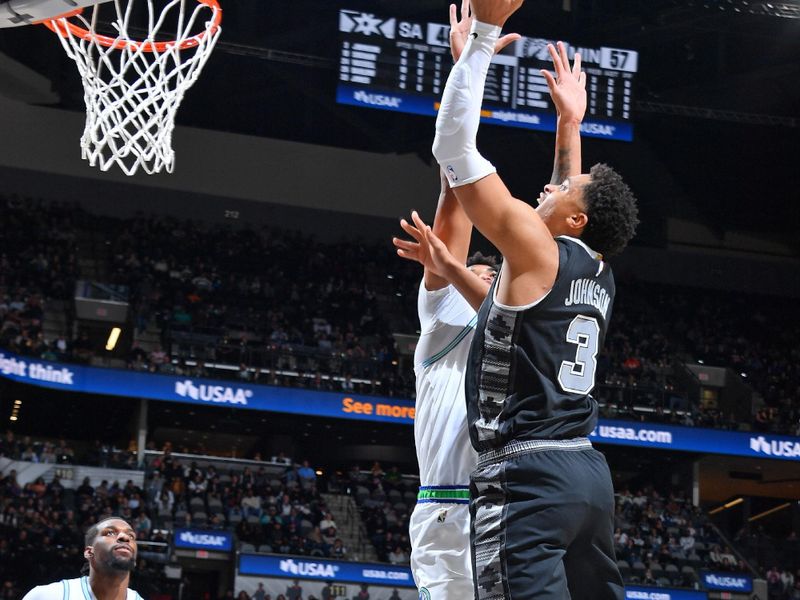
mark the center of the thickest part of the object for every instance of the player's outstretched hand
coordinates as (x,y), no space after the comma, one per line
(426,249)
(568,86)
(459,31)
(417,250)
(495,12)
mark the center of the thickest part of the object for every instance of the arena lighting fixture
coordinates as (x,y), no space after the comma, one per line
(15,411)
(769,512)
(113,338)
(726,506)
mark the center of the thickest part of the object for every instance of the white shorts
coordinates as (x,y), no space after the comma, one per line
(441,561)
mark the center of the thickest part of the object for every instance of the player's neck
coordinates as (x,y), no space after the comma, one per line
(109,586)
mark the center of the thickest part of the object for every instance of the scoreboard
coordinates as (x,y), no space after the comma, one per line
(393,64)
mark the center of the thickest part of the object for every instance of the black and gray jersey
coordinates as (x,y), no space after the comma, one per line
(532,368)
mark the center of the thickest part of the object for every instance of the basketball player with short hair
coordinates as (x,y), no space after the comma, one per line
(542,501)
(451,291)
(449,295)
(110,553)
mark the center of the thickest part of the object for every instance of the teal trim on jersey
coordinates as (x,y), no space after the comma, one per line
(85,587)
(444,351)
(66,589)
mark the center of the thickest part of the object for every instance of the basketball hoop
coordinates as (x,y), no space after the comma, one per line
(133,88)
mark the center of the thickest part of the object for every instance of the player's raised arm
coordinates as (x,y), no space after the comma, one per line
(442,250)
(453,230)
(568,91)
(513,226)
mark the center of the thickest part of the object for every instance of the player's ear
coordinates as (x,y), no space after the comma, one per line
(88,552)
(577,221)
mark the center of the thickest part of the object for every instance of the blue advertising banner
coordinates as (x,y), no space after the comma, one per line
(115,382)
(727,582)
(322,570)
(421,105)
(198,539)
(649,593)
(713,441)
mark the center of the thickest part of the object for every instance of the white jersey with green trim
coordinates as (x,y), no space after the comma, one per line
(444,451)
(69,589)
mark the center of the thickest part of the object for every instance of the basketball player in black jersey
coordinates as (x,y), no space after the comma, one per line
(541,498)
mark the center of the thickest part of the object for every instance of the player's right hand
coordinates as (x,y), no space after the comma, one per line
(494,12)
(459,31)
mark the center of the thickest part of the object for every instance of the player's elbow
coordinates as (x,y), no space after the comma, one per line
(439,148)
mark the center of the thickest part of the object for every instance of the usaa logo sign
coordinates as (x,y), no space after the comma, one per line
(311,569)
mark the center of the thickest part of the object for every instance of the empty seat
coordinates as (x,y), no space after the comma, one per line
(656,569)
(673,574)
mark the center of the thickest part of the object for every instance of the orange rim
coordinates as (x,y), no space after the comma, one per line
(117,44)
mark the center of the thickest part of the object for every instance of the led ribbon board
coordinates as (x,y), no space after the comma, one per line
(303,567)
(233,394)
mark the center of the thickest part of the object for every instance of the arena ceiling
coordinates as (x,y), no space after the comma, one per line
(717,100)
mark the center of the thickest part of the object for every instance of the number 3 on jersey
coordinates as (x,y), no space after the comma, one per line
(577,376)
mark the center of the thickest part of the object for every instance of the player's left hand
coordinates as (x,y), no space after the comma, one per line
(427,248)
(568,85)
(459,31)
(418,250)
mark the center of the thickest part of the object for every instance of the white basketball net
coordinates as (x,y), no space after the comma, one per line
(132,94)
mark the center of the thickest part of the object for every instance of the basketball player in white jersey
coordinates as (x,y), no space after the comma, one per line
(440,523)
(110,553)
(449,296)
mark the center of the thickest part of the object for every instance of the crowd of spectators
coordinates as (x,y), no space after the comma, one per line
(385,500)
(783,584)
(63,452)
(272,512)
(780,552)
(329,309)
(42,527)
(324,319)
(663,540)
(38,262)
